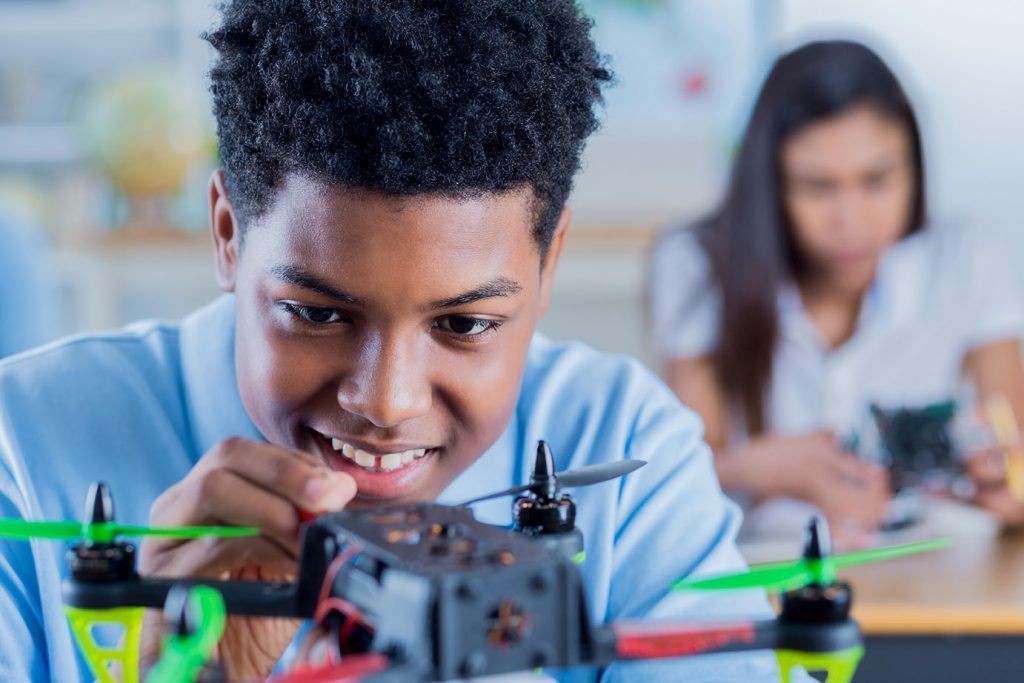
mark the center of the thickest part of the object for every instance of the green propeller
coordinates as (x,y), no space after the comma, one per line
(101,528)
(817,566)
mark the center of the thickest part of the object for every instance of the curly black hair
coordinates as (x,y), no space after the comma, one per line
(404,97)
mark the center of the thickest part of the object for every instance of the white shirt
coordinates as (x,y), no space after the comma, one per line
(937,294)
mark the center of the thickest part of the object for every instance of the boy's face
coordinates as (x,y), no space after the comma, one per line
(385,335)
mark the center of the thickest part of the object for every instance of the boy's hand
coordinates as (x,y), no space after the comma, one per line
(242,483)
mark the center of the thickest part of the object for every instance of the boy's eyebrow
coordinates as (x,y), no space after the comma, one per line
(499,286)
(300,278)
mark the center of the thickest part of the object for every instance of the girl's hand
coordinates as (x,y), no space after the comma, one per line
(852,493)
(987,469)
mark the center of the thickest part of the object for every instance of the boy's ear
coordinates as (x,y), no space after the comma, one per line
(547,268)
(225,231)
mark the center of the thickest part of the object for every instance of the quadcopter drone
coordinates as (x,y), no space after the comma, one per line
(425,592)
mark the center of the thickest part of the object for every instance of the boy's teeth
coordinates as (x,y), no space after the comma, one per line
(364,459)
(391,461)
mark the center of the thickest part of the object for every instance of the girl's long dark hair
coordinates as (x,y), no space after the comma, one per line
(748,239)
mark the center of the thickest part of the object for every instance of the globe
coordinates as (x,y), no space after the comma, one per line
(145,129)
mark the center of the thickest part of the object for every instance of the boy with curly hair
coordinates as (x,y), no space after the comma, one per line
(386,224)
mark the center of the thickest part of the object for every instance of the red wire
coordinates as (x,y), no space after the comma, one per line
(351,669)
(344,556)
(654,640)
(325,603)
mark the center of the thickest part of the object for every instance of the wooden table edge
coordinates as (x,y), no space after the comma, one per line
(916,619)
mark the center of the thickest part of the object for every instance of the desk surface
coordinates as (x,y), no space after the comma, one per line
(974,587)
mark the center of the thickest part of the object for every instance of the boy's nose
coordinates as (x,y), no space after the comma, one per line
(389,387)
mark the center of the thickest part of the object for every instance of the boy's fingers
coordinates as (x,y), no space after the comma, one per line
(225,497)
(237,445)
(211,558)
(294,475)
(222,497)
(245,483)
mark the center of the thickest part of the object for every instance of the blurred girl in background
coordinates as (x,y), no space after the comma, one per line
(819,287)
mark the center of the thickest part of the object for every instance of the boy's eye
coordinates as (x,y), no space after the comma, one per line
(314,314)
(466,326)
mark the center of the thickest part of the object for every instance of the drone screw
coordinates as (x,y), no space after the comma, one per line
(539,583)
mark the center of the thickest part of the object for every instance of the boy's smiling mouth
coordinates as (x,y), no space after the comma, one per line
(374,463)
(381,472)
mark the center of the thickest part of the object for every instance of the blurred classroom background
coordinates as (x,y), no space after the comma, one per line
(92,91)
